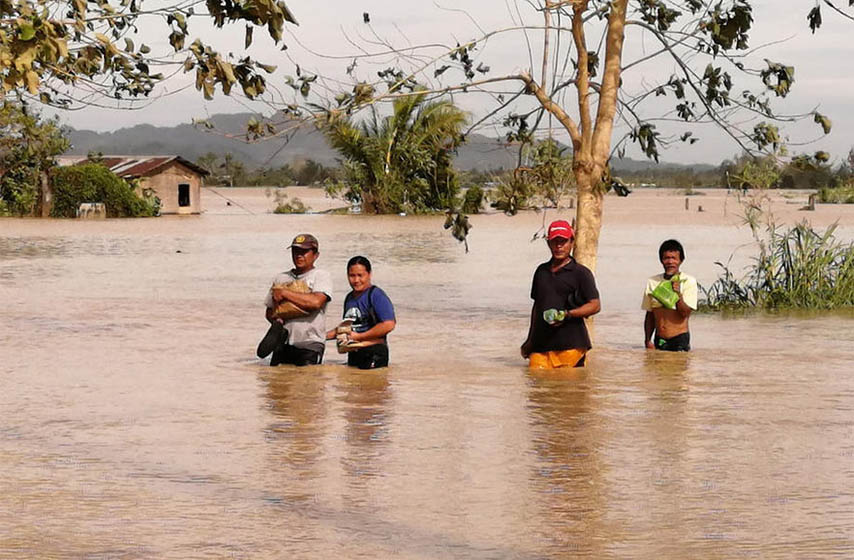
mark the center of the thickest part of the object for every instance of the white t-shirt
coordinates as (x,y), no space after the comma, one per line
(310,330)
(688,287)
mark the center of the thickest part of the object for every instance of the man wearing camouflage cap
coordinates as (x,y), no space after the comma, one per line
(306,333)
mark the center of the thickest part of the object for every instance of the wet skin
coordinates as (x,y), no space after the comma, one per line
(668,322)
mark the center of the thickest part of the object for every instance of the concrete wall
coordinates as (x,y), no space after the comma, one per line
(165,185)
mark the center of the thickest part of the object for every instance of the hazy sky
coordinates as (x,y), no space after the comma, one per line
(823,63)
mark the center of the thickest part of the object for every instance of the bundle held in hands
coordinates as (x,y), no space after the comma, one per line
(287,310)
(665,294)
(343,341)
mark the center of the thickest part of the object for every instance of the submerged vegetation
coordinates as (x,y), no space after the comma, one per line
(288,206)
(94,182)
(839,195)
(799,268)
(796,268)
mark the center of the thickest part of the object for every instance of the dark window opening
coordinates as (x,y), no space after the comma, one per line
(183,194)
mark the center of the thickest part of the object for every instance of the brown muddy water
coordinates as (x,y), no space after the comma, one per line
(135,421)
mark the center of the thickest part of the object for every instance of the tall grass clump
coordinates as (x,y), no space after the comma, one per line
(837,195)
(799,268)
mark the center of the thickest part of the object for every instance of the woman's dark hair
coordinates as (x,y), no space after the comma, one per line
(670,245)
(359,260)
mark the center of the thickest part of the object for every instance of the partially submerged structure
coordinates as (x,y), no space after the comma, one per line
(177,182)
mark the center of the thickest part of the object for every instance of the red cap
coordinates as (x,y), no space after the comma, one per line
(560,228)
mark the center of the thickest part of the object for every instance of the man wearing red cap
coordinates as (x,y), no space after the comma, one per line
(564,294)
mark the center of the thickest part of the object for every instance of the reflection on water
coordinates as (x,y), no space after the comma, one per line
(137,424)
(367,431)
(298,407)
(567,470)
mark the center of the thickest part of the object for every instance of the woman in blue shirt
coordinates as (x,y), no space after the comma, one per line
(372,316)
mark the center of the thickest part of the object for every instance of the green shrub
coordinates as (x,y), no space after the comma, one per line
(839,195)
(294,206)
(473,200)
(796,269)
(511,195)
(19,190)
(92,182)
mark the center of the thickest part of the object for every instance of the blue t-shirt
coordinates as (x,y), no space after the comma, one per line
(368,309)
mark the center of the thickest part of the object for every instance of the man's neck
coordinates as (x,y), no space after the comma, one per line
(557,264)
(300,272)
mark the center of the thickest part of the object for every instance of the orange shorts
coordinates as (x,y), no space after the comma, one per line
(557,359)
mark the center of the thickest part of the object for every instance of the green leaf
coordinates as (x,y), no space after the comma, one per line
(825,123)
(144,49)
(784,76)
(248,40)
(128,45)
(441,70)
(181,21)
(341,98)
(268,68)
(26,32)
(765,135)
(814,18)
(176,39)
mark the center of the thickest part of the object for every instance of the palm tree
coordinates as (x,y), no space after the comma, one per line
(401,162)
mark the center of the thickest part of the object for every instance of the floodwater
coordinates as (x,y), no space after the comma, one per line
(135,421)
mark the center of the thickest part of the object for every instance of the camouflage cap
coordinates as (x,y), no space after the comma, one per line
(304,241)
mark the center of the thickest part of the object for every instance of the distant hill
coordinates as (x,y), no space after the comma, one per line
(191,142)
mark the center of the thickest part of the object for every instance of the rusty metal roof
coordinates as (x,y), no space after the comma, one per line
(129,167)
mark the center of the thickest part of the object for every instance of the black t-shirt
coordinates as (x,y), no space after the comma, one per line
(570,287)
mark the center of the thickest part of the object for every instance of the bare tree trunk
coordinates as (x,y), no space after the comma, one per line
(45,195)
(588,216)
(589,165)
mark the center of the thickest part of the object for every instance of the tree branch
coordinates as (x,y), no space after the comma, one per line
(556,110)
(843,14)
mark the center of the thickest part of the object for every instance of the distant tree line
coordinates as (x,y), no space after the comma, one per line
(543,180)
(227,170)
(799,172)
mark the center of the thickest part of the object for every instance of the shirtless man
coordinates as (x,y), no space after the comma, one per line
(665,328)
